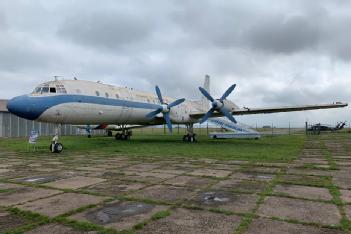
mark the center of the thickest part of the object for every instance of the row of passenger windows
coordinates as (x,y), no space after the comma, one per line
(106,94)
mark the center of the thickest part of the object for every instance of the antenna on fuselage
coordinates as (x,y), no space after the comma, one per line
(56,77)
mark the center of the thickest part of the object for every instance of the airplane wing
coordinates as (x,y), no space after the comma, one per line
(267,110)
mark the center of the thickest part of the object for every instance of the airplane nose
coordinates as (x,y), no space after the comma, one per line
(22,106)
(13,105)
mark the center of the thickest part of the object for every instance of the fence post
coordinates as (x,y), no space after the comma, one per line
(272,129)
(289,129)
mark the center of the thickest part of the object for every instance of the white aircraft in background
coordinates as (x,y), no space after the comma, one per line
(84,102)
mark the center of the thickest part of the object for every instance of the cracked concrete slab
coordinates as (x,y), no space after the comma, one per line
(164,193)
(190,181)
(15,194)
(60,204)
(9,221)
(193,221)
(248,186)
(239,203)
(54,228)
(74,182)
(345,195)
(301,210)
(121,215)
(300,191)
(268,226)
(115,187)
(210,172)
(252,176)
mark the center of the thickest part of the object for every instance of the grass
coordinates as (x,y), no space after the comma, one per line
(279,148)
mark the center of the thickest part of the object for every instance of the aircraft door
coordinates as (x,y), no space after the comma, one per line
(129,111)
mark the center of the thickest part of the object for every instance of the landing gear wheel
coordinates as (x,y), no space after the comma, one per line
(189,138)
(123,137)
(57,148)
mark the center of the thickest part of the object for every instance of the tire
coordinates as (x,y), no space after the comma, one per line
(118,136)
(58,148)
(215,137)
(89,136)
(109,133)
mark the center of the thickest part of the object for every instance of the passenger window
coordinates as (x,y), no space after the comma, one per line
(52,90)
(97,93)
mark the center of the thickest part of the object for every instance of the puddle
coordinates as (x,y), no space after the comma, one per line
(39,179)
(214,197)
(117,211)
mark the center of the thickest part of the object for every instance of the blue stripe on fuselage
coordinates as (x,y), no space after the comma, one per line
(32,107)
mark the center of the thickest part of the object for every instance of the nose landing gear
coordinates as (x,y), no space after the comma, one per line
(55,146)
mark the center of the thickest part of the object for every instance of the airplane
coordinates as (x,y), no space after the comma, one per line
(82,102)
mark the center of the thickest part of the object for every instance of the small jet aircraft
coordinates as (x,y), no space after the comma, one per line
(84,102)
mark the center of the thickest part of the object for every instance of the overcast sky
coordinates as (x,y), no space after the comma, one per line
(284,52)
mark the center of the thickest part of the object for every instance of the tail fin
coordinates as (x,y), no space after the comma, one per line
(204,101)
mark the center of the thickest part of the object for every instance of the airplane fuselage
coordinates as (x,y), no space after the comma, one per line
(85,102)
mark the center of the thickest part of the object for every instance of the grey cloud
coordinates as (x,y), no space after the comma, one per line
(106,29)
(283,35)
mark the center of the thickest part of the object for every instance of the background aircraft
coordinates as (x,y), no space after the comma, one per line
(324,127)
(84,102)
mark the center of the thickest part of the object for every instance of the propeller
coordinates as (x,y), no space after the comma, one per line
(218,104)
(164,108)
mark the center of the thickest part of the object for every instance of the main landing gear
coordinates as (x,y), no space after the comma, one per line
(124,135)
(190,136)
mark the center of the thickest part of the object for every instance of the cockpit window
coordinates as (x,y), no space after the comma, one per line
(45,90)
(52,90)
(37,90)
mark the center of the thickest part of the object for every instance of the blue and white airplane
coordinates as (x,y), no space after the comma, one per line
(84,102)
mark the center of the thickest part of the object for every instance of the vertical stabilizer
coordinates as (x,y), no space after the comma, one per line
(204,101)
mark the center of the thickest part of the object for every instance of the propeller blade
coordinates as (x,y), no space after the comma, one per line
(206,94)
(228,92)
(208,115)
(153,113)
(168,121)
(176,103)
(228,114)
(159,95)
